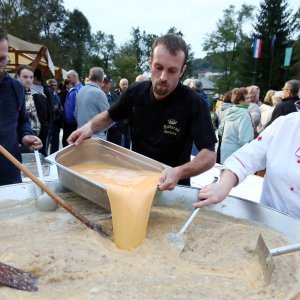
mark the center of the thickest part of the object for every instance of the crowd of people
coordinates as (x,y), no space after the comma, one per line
(160,117)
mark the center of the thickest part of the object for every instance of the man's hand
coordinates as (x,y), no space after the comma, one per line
(169,178)
(32,142)
(80,134)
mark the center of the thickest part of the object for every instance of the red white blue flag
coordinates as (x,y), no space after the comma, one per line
(257,47)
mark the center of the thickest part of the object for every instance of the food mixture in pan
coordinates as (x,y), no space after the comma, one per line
(74,262)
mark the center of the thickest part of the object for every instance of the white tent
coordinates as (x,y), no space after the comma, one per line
(37,56)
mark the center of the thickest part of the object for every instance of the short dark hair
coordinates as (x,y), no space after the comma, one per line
(3,34)
(294,86)
(20,68)
(38,74)
(173,43)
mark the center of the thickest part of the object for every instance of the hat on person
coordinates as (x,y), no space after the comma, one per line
(107,78)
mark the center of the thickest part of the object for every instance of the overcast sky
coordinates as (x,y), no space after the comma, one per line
(195,18)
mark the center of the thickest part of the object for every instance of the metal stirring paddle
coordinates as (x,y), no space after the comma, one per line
(177,239)
(43,201)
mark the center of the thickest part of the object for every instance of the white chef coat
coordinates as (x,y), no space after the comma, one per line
(277,149)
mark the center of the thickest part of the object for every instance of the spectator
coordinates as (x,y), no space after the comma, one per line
(125,137)
(69,121)
(226,103)
(15,124)
(196,85)
(24,74)
(141,78)
(57,119)
(91,100)
(236,126)
(289,97)
(253,108)
(115,132)
(44,109)
(265,110)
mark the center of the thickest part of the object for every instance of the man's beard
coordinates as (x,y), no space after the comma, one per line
(160,90)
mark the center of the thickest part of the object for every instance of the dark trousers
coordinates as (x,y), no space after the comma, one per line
(119,135)
(55,137)
(114,135)
(67,130)
(219,149)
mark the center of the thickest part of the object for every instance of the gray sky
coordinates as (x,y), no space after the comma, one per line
(195,18)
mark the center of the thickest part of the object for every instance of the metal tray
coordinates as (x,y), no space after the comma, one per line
(92,150)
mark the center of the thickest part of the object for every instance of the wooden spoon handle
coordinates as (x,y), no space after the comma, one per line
(56,198)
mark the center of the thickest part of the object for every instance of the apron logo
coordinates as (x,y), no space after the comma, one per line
(170,128)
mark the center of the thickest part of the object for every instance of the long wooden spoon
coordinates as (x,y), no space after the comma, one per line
(56,198)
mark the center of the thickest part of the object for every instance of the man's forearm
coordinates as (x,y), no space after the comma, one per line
(204,161)
(101,122)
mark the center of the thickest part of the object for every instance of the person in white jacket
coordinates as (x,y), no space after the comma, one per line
(254,111)
(277,149)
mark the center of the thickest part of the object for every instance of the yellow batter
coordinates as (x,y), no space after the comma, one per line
(131,194)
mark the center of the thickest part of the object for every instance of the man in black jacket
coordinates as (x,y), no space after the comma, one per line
(165,117)
(289,97)
(15,125)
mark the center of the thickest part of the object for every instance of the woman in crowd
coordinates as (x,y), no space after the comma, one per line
(220,115)
(236,126)
(265,110)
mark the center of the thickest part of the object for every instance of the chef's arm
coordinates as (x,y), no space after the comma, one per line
(215,193)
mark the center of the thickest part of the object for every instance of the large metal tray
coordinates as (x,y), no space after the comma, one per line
(92,150)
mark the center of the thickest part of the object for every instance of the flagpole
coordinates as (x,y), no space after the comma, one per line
(272,59)
(254,72)
(271,67)
(257,46)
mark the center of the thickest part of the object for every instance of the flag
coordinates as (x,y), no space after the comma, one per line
(288,56)
(273,41)
(257,46)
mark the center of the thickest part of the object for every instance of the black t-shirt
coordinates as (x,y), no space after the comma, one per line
(165,129)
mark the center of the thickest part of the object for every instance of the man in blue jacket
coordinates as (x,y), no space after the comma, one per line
(15,127)
(69,121)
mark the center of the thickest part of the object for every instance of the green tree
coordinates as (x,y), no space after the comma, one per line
(77,39)
(104,46)
(141,43)
(32,20)
(125,66)
(273,19)
(295,63)
(225,43)
(37,22)
(189,69)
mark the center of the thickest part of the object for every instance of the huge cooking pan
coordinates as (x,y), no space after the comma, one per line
(183,197)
